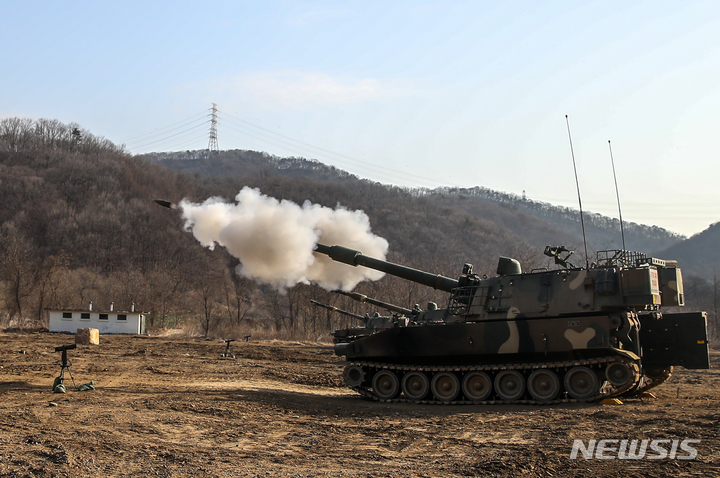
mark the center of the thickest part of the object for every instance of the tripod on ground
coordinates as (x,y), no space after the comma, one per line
(227,349)
(64,365)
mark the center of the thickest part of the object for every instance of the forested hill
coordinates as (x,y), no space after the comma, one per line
(242,163)
(78,225)
(537,223)
(602,232)
(699,255)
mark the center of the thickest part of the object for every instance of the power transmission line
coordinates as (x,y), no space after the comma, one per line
(345,161)
(177,136)
(164,139)
(161,131)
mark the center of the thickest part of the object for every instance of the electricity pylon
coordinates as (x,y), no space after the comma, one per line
(213,142)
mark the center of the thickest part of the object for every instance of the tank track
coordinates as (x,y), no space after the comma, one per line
(605,391)
(652,382)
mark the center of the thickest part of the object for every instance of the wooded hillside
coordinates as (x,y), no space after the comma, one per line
(78,224)
(537,222)
(699,254)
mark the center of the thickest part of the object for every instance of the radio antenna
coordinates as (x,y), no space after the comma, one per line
(577,184)
(617,193)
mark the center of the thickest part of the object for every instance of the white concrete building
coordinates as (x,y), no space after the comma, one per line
(106,321)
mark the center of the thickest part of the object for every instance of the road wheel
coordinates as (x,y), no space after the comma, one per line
(415,385)
(476,386)
(543,385)
(618,374)
(510,385)
(386,385)
(581,383)
(445,386)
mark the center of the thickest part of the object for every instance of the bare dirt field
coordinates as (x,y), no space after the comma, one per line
(171,407)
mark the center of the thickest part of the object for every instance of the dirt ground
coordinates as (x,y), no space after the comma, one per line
(171,407)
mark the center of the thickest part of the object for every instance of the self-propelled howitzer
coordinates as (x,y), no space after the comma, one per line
(575,333)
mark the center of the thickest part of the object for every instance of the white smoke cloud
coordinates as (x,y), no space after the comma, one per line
(274,240)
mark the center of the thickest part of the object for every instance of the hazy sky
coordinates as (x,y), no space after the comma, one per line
(420,93)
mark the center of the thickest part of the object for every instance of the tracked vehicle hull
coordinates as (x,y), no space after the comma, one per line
(519,361)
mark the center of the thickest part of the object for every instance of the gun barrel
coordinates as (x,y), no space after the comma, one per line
(164,203)
(335,309)
(379,303)
(356,258)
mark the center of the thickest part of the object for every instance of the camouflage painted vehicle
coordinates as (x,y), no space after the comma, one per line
(547,336)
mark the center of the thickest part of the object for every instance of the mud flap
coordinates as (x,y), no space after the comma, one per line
(675,339)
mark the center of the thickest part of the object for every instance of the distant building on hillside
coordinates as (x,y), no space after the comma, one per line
(106,321)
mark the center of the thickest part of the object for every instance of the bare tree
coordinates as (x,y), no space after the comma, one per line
(47,282)
(17,268)
(237,292)
(275,305)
